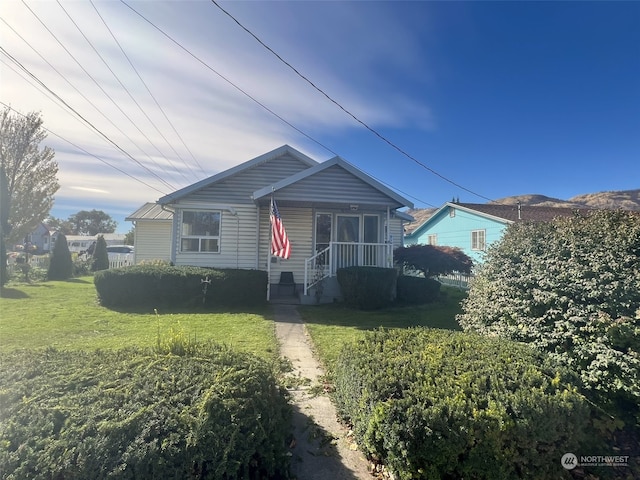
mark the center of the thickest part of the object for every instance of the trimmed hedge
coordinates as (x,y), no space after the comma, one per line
(170,286)
(439,404)
(417,290)
(367,288)
(134,414)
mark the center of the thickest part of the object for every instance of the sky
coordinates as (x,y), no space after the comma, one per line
(438,100)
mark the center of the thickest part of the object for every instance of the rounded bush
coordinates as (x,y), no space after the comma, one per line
(438,404)
(154,286)
(417,290)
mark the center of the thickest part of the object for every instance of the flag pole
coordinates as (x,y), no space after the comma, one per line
(269,248)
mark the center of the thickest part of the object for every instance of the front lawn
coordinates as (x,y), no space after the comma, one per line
(330,326)
(66,315)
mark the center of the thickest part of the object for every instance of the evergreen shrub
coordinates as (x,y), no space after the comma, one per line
(61,264)
(417,290)
(134,414)
(367,288)
(100,259)
(154,286)
(448,405)
(569,288)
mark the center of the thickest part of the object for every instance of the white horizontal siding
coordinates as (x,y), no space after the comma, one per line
(298,223)
(238,247)
(152,240)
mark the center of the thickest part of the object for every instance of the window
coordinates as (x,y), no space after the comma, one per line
(432,239)
(452,212)
(200,231)
(478,240)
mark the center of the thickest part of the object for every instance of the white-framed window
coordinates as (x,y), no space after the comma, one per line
(452,212)
(478,240)
(200,231)
(432,239)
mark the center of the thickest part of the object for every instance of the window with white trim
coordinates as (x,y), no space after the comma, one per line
(478,240)
(432,239)
(200,231)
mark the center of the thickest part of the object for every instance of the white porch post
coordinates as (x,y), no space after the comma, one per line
(389,240)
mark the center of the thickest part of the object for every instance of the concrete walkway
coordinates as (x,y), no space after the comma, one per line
(322,447)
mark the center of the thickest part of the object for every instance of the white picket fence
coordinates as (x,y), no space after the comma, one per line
(42,261)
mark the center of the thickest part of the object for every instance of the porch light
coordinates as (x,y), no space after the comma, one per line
(354,208)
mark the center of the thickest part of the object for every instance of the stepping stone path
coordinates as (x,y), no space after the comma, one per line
(322,448)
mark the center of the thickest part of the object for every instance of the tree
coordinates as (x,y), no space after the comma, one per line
(129,238)
(61,266)
(30,171)
(92,223)
(100,255)
(569,288)
(59,225)
(433,260)
(5,227)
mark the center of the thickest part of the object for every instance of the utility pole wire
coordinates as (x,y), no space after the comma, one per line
(371,129)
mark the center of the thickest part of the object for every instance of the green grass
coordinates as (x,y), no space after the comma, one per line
(331,326)
(66,315)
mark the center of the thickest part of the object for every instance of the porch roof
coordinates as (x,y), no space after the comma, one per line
(326,198)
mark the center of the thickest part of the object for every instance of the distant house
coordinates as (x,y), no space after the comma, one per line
(472,227)
(83,243)
(334,215)
(42,239)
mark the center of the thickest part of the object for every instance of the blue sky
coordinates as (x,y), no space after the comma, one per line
(499,98)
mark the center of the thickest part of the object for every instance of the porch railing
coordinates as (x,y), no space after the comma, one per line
(337,255)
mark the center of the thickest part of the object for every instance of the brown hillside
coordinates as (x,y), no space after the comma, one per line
(626,200)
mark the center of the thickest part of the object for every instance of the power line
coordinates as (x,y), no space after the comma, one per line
(87,152)
(371,129)
(251,97)
(124,87)
(206,65)
(23,68)
(150,94)
(99,86)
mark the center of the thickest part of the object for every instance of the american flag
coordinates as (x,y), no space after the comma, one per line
(280,246)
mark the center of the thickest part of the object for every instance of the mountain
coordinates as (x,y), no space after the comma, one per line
(624,199)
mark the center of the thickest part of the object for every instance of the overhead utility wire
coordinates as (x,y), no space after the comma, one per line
(98,85)
(74,87)
(22,67)
(151,95)
(371,129)
(253,98)
(226,79)
(124,87)
(87,152)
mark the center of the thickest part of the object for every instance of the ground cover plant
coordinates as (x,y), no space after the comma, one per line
(66,315)
(210,413)
(441,404)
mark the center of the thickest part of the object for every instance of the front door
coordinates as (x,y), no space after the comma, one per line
(348,237)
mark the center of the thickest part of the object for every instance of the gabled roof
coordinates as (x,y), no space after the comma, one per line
(278,152)
(268,190)
(150,211)
(505,214)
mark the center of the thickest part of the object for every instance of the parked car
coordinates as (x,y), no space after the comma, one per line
(122,252)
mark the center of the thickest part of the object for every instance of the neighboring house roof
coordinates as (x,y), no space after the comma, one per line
(318,168)
(150,211)
(285,149)
(501,213)
(419,215)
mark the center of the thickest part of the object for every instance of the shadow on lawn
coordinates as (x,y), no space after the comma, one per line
(12,293)
(439,314)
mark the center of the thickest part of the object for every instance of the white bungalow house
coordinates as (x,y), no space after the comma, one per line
(334,215)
